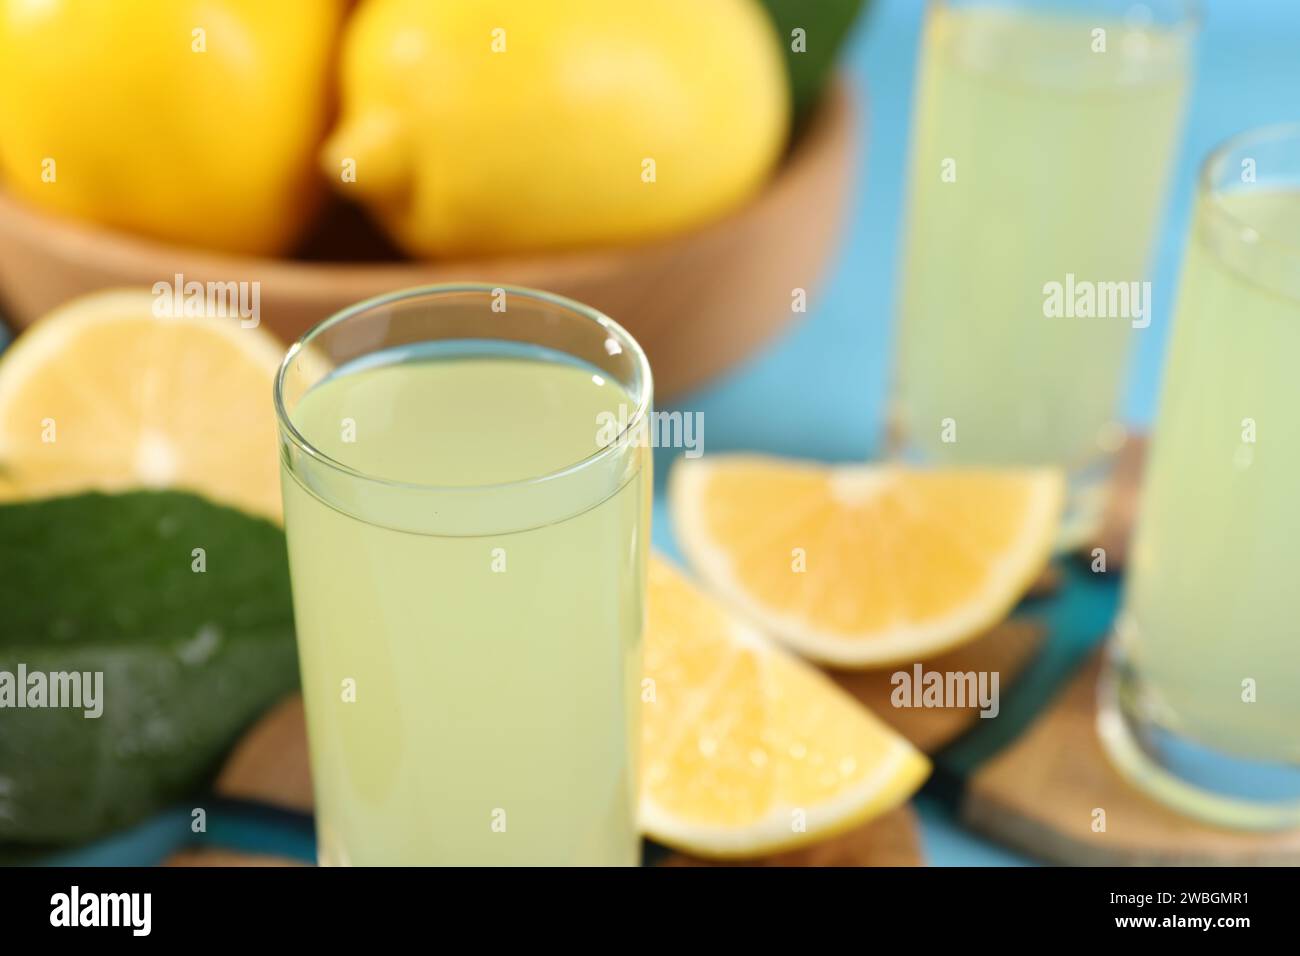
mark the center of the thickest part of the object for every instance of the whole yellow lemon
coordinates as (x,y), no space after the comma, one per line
(195,121)
(508,125)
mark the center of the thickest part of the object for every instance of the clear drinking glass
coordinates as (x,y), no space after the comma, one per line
(1201,701)
(467,509)
(1042,140)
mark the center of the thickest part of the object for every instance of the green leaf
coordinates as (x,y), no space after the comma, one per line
(826,25)
(105,583)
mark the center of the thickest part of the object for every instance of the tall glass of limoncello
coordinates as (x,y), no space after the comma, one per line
(1041,142)
(467,541)
(1201,702)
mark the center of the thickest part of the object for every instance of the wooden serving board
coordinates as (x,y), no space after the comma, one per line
(270,766)
(207,857)
(1041,794)
(1007,649)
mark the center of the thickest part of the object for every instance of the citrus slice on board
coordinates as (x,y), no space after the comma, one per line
(747,750)
(102,394)
(865,565)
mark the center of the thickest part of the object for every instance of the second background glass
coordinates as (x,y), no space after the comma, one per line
(1043,137)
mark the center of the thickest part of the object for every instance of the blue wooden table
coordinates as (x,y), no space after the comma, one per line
(820,390)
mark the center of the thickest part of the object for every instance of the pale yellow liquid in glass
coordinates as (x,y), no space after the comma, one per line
(1060,156)
(496,675)
(1211,599)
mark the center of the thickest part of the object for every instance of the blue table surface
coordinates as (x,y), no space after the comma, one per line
(819,391)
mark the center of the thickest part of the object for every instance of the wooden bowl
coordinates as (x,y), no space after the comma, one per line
(697,303)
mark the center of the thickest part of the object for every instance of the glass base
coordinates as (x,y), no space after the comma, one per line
(1187,776)
(1087,488)
(1086,497)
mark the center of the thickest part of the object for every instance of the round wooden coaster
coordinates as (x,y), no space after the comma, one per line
(1007,649)
(1043,793)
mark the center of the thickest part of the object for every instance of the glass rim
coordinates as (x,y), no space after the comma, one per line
(572,306)
(1270,132)
(1191,13)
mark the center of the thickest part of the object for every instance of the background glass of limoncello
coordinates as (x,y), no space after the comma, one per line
(1201,702)
(467,544)
(1035,155)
